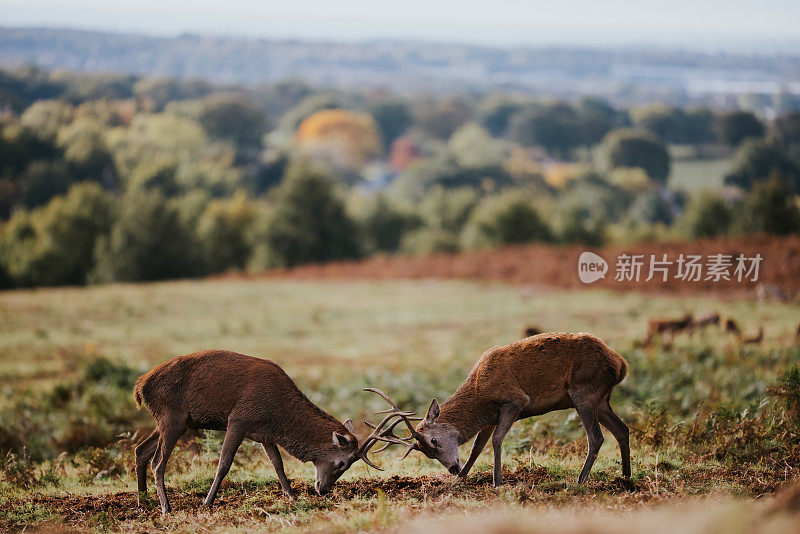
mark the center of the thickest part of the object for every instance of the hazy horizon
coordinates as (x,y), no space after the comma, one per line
(735,26)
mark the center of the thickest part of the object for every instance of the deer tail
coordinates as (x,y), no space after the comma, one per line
(137,392)
(622,372)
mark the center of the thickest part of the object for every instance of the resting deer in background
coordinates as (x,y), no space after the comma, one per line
(657,327)
(706,320)
(756,339)
(250,398)
(530,377)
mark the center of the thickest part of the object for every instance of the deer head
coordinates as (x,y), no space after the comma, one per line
(335,458)
(437,441)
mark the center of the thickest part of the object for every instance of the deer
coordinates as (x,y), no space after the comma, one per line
(250,398)
(533,376)
(531,331)
(667,326)
(732,327)
(754,340)
(706,320)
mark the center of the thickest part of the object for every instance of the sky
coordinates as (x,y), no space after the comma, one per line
(730,25)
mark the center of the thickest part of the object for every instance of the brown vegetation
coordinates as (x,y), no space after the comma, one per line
(557,266)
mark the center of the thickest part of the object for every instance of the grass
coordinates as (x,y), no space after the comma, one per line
(711,419)
(698,174)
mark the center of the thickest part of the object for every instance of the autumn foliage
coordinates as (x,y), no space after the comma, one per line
(348,137)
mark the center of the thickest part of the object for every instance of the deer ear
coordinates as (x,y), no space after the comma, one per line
(348,424)
(340,440)
(433,412)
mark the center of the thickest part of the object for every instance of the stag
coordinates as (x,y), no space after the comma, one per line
(249,398)
(530,377)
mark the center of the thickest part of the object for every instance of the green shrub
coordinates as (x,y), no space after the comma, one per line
(425,241)
(222,232)
(148,241)
(308,222)
(770,208)
(577,225)
(55,244)
(503,220)
(633,148)
(383,225)
(650,207)
(707,215)
(757,160)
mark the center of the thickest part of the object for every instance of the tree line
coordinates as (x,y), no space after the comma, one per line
(106,177)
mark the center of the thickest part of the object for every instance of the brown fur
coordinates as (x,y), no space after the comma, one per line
(756,339)
(731,327)
(657,327)
(250,397)
(709,319)
(533,376)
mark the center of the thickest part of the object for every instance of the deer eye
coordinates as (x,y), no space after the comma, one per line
(434,442)
(341,465)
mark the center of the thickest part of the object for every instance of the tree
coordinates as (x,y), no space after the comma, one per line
(148,241)
(771,208)
(707,215)
(443,170)
(440,118)
(382,224)
(495,115)
(650,207)
(785,134)
(393,118)
(596,118)
(633,148)
(554,127)
(43,180)
(579,225)
(344,138)
(233,119)
(473,147)
(502,220)
(54,244)
(308,222)
(222,232)
(756,160)
(736,126)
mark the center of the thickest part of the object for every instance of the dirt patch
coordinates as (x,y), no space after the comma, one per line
(557,266)
(525,485)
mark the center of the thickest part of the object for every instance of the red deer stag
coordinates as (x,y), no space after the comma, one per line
(249,398)
(530,377)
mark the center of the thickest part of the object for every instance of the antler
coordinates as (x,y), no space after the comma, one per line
(379,433)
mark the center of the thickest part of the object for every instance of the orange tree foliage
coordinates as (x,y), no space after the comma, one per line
(347,137)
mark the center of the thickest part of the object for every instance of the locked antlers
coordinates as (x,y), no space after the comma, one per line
(387,435)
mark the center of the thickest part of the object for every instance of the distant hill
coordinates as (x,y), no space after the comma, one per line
(410,66)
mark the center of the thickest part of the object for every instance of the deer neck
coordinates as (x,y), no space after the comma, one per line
(466,413)
(308,432)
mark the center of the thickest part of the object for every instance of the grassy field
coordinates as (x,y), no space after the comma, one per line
(714,422)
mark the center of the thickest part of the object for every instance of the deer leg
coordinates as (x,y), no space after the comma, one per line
(477,447)
(233,438)
(144,451)
(621,433)
(508,414)
(587,411)
(169,437)
(277,462)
